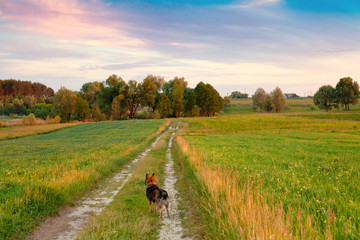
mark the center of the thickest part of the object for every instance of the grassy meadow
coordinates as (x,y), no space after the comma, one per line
(275,176)
(39,173)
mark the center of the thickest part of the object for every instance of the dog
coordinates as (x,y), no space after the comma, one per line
(156,195)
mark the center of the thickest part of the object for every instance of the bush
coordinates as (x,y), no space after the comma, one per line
(25,121)
(156,114)
(56,120)
(32,119)
(143,115)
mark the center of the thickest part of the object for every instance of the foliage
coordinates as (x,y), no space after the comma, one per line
(82,110)
(17,88)
(347,92)
(178,96)
(64,103)
(56,120)
(97,115)
(325,98)
(268,103)
(1,125)
(109,90)
(42,110)
(208,98)
(117,108)
(164,107)
(278,100)
(196,111)
(259,98)
(60,166)
(89,91)
(28,120)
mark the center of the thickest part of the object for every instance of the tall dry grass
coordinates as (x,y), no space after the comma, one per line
(15,132)
(241,210)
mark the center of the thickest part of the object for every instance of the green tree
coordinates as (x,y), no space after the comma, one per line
(112,87)
(64,102)
(325,98)
(268,103)
(178,95)
(89,90)
(189,100)
(82,110)
(136,94)
(164,107)
(208,98)
(347,92)
(42,110)
(278,100)
(259,99)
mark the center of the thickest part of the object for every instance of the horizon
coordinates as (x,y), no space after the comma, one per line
(233,45)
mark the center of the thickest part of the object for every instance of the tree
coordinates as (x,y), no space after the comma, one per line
(164,107)
(136,94)
(64,103)
(278,100)
(325,98)
(259,98)
(42,110)
(178,95)
(112,87)
(82,110)
(208,98)
(117,108)
(268,103)
(347,92)
(227,101)
(189,101)
(89,90)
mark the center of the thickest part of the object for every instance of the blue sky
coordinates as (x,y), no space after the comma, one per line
(234,45)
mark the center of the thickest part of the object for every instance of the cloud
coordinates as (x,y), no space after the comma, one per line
(256,3)
(68,19)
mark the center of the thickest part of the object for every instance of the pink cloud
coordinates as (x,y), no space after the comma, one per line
(67,19)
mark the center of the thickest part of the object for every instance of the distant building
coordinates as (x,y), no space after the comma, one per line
(291,95)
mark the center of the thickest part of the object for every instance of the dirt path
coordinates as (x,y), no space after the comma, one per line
(71,220)
(172,228)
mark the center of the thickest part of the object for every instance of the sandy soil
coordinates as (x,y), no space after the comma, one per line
(71,220)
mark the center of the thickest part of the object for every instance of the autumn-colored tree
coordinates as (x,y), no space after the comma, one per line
(82,110)
(117,108)
(325,98)
(259,98)
(96,114)
(278,100)
(164,107)
(64,103)
(347,92)
(227,101)
(30,101)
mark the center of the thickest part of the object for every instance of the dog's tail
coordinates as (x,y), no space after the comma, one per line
(164,195)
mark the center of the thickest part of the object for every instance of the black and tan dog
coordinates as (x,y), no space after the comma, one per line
(156,195)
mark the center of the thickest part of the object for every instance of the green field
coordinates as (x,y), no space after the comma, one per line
(39,173)
(310,166)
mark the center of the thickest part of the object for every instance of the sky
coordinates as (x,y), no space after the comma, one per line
(235,45)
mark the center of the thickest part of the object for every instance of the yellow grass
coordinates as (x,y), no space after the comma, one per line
(14,132)
(241,210)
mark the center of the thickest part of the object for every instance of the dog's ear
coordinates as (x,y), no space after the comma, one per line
(147,177)
(153,177)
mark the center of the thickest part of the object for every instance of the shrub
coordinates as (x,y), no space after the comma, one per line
(32,119)
(156,114)
(143,115)
(25,121)
(56,120)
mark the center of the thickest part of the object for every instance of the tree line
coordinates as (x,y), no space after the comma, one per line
(117,99)
(345,93)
